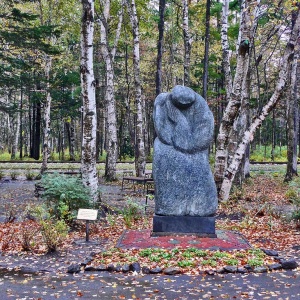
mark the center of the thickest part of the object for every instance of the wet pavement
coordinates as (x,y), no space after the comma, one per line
(105,285)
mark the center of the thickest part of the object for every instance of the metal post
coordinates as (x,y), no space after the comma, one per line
(87,231)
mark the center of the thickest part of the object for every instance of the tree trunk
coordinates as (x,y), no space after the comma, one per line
(238,85)
(15,124)
(36,130)
(206,50)
(293,119)
(88,154)
(108,55)
(140,160)
(47,120)
(21,123)
(187,43)
(160,46)
(249,134)
(71,138)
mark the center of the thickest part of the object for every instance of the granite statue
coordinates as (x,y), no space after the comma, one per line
(184,184)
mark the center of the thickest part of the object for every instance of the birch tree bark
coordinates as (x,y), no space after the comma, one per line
(140,160)
(187,43)
(235,92)
(206,50)
(293,118)
(88,153)
(160,46)
(108,55)
(15,124)
(249,134)
(46,120)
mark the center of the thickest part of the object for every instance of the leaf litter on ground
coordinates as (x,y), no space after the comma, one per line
(260,213)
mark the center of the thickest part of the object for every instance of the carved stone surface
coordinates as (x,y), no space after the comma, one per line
(184,185)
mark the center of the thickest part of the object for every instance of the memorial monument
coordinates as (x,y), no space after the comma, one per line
(185,191)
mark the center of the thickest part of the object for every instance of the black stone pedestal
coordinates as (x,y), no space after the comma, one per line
(184,225)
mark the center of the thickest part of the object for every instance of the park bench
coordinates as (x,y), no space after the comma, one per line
(128,177)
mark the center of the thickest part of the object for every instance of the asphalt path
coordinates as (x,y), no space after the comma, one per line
(105,285)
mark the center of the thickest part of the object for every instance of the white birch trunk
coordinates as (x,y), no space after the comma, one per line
(292,119)
(88,153)
(47,107)
(249,134)
(108,56)
(238,86)
(15,137)
(72,140)
(187,42)
(140,160)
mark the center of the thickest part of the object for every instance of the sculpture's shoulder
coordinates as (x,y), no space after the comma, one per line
(202,107)
(161,99)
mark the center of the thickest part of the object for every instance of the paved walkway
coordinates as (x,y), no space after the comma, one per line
(104,285)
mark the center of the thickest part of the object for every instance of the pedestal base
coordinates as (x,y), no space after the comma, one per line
(184,225)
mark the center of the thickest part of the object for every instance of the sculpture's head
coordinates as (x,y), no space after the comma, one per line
(182,96)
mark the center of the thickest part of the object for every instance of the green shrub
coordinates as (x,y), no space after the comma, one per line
(131,211)
(30,175)
(291,194)
(64,195)
(13,175)
(53,231)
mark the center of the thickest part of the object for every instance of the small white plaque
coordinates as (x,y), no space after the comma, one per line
(87,214)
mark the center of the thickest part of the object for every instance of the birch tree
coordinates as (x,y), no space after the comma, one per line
(160,47)
(47,107)
(187,42)
(88,153)
(108,54)
(293,116)
(249,134)
(140,160)
(206,50)
(236,90)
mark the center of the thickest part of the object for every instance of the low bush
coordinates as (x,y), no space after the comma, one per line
(53,231)
(131,211)
(64,195)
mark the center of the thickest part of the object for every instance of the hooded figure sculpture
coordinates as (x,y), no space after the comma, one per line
(184,185)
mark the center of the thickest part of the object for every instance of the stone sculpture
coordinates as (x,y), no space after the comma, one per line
(184,184)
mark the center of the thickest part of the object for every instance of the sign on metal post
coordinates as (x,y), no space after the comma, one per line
(87,215)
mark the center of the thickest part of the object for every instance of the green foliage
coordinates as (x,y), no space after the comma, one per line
(232,262)
(209,262)
(291,194)
(257,253)
(219,254)
(190,252)
(146,252)
(1,174)
(13,175)
(216,9)
(265,154)
(64,195)
(53,231)
(131,211)
(185,263)
(255,262)
(30,175)
(294,195)
(233,31)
